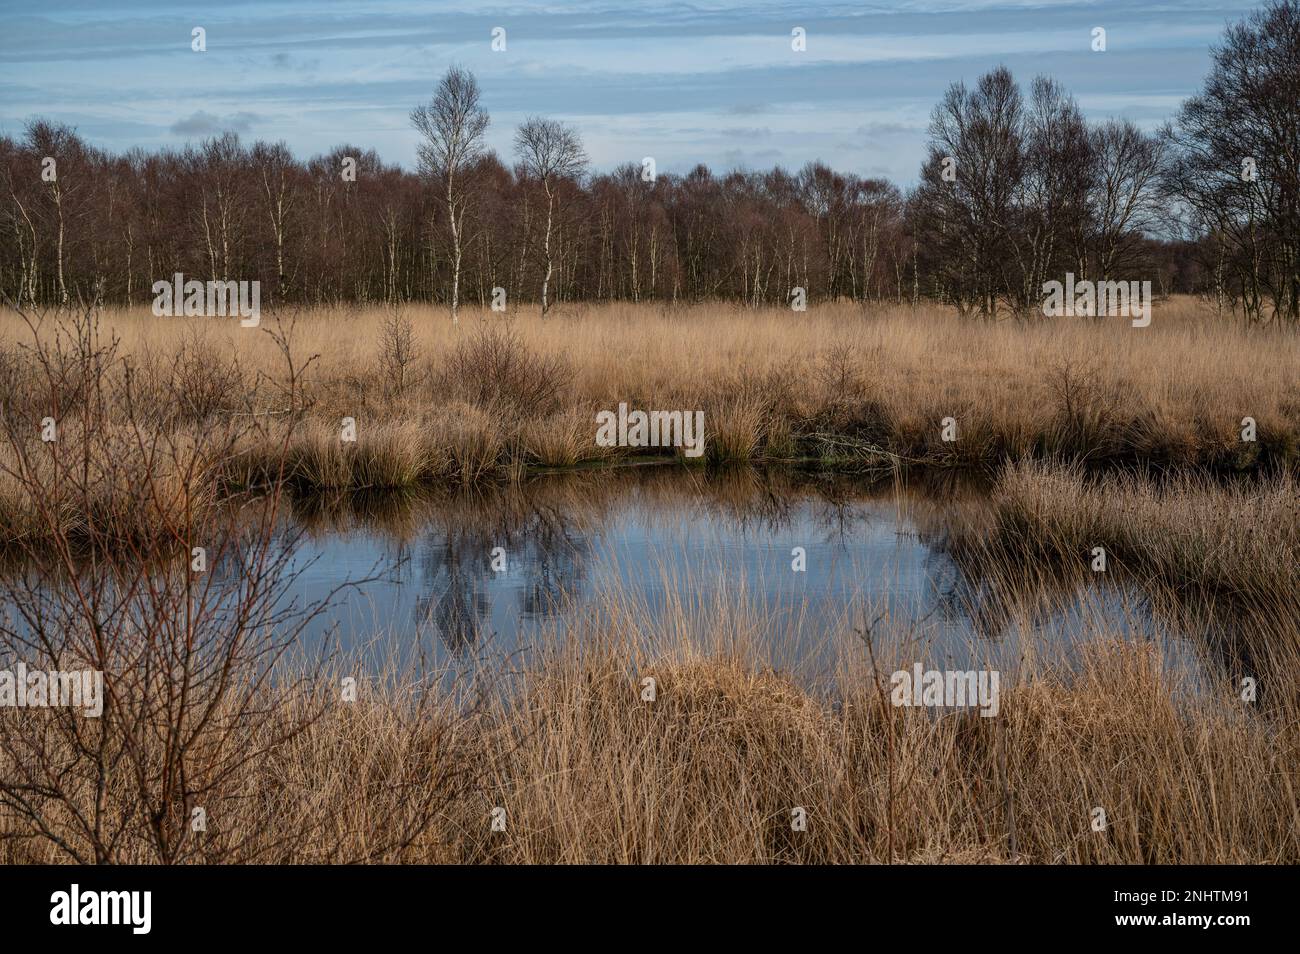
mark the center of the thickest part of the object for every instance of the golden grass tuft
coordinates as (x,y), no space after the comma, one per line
(1236,539)
(562,439)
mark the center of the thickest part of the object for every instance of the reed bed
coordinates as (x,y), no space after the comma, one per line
(214,705)
(1236,540)
(578,766)
(849,385)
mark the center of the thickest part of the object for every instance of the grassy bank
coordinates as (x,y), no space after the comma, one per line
(847,385)
(587,770)
(1236,540)
(157,417)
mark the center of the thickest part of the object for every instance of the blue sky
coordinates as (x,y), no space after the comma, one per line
(713,82)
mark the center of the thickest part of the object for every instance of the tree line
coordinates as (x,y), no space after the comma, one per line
(1017,188)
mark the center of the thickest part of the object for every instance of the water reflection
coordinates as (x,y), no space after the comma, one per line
(666,537)
(416,571)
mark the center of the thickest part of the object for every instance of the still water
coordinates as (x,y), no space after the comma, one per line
(819,561)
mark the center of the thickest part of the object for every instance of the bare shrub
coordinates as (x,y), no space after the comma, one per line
(495,370)
(398,354)
(1088,418)
(839,371)
(204,676)
(203,380)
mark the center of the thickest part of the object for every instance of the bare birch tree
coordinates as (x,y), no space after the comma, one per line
(1125,203)
(452,124)
(1234,162)
(549,151)
(969,217)
(279,188)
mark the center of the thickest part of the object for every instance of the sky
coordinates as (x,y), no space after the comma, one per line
(714,82)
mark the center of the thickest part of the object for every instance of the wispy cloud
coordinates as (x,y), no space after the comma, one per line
(203,123)
(637,78)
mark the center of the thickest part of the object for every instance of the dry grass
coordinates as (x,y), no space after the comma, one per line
(85,483)
(1239,540)
(710,771)
(562,439)
(496,393)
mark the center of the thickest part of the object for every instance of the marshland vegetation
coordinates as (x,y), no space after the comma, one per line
(844,385)
(178,431)
(159,474)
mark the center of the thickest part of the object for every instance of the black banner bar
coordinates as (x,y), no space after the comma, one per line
(334,904)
